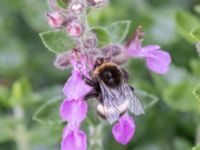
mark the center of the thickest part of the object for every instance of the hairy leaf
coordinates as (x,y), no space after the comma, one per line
(102,36)
(185,23)
(56,41)
(48,113)
(118,30)
(196,33)
(196,92)
(148,100)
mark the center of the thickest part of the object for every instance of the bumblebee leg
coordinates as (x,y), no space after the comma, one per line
(131,88)
(89,81)
(126,76)
(91,94)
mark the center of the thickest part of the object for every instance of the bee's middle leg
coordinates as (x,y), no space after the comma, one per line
(89,81)
(91,94)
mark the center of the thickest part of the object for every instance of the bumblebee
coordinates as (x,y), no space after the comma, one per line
(110,87)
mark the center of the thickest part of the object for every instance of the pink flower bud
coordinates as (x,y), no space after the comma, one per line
(76,8)
(97,3)
(55,19)
(74,28)
(90,40)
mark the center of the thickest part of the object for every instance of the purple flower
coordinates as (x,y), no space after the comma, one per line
(124,129)
(73,139)
(73,111)
(75,87)
(157,60)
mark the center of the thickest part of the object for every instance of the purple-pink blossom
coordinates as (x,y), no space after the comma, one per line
(73,111)
(157,60)
(73,139)
(124,129)
(75,87)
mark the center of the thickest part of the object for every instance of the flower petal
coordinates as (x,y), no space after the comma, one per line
(75,87)
(124,130)
(73,111)
(158,61)
(74,140)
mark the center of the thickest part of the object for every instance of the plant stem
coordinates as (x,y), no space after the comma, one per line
(21,137)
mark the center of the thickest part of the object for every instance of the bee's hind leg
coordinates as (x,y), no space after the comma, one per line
(91,94)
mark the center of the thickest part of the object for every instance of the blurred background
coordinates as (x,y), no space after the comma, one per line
(31,87)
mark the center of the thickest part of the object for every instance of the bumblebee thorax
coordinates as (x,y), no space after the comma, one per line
(109,73)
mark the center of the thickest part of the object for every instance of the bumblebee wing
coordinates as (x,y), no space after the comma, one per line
(134,104)
(117,100)
(114,102)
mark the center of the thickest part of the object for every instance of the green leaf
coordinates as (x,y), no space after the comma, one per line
(196,33)
(102,37)
(180,96)
(195,65)
(62,3)
(148,100)
(118,30)
(196,92)
(48,113)
(56,41)
(197,8)
(185,23)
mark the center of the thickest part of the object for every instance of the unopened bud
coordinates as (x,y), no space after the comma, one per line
(76,8)
(89,40)
(74,28)
(55,19)
(97,3)
(198,48)
(112,50)
(63,60)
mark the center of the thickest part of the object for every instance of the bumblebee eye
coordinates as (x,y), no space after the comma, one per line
(108,75)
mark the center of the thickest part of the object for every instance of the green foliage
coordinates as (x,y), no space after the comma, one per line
(196,33)
(196,147)
(102,36)
(197,8)
(62,3)
(148,100)
(57,41)
(118,30)
(185,23)
(7,128)
(21,90)
(177,88)
(196,92)
(48,113)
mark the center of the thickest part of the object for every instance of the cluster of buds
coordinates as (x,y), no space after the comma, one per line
(70,18)
(82,58)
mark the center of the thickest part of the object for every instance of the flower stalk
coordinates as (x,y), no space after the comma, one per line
(21,136)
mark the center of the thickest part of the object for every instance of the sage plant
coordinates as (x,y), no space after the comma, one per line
(71,20)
